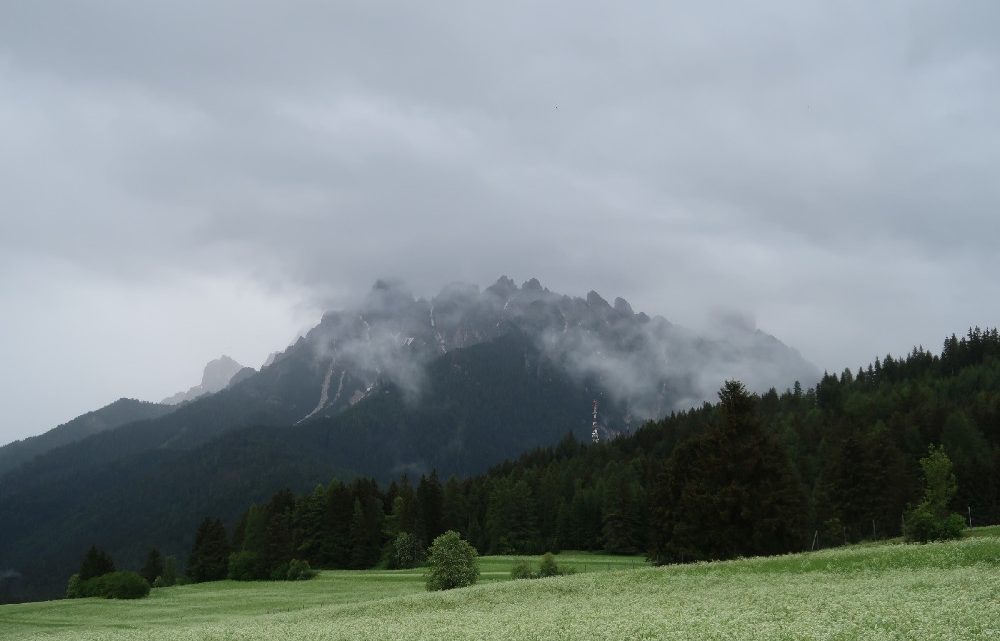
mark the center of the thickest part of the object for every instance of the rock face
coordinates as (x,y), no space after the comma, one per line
(647,365)
(216,377)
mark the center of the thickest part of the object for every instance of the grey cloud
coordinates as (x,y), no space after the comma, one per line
(825,168)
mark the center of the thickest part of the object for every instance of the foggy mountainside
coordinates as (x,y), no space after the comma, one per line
(218,375)
(748,476)
(121,412)
(456,383)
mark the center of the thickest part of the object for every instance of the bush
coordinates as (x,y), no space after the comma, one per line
(404,551)
(279,573)
(548,566)
(931,520)
(73,587)
(452,563)
(242,566)
(114,585)
(521,570)
(923,526)
(299,571)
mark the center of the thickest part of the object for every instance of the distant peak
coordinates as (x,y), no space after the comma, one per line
(594,300)
(504,287)
(215,377)
(532,285)
(622,306)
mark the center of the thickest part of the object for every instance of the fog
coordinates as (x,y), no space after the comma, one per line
(184,180)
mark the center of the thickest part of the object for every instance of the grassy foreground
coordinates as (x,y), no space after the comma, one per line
(936,591)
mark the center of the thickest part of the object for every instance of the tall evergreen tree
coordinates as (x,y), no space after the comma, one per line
(729,492)
(210,554)
(96,563)
(430,508)
(153,567)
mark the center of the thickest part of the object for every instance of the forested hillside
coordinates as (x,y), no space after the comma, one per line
(838,463)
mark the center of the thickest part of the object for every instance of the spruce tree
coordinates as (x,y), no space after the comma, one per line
(96,563)
(210,555)
(729,492)
(153,567)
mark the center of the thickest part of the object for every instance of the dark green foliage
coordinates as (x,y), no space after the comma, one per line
(404,551)
(451,563)
(114,585)
(854,442)
(210,554)
(430,508)
(96,563)
(299,571)
(74,589)
(511,516)
(548,566)
(153,567)
(168,576)
(522,570)
(932,519)
(729,492)
(243,566)
(121,412)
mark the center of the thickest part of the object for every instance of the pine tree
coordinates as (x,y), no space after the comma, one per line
(430,512)
(210,555)
(729,492)
(96,563)
(153,567)
(358,538)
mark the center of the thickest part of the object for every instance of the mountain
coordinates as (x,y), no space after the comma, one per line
(217,376)
(121,412)
(398,384)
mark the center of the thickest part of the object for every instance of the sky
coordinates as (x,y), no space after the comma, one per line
(180,180)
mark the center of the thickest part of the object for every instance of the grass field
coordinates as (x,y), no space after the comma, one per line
(936,591)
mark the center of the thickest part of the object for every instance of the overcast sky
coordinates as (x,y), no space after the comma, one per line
(184,179)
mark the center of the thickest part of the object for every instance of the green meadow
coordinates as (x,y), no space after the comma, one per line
(941,591)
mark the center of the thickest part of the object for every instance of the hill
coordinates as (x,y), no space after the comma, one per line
(934,591)
(124,411)
(397,385)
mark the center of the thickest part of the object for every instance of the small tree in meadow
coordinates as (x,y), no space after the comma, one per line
(451,563)
(931,520)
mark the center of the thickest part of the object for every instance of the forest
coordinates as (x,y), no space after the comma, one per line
(818,467)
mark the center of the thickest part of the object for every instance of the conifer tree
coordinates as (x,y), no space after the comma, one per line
(729,492)
(210,555)
(96,563)
(153,567)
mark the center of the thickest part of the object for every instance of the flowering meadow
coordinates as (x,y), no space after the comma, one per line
(947,591)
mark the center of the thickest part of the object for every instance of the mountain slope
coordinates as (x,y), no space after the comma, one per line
(645,366)
(457,383)
(481,405)
(218,374)
(121,412)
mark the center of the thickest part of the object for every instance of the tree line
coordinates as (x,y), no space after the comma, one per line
(779,472)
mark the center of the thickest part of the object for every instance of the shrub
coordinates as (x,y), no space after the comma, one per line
(548,566)
(243,566)
(73,587)
(931,520)
(452,563)
(125,585)
(115,585)
(96,563)
(521,570)
(404,551)
(300,571)
(922,525)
